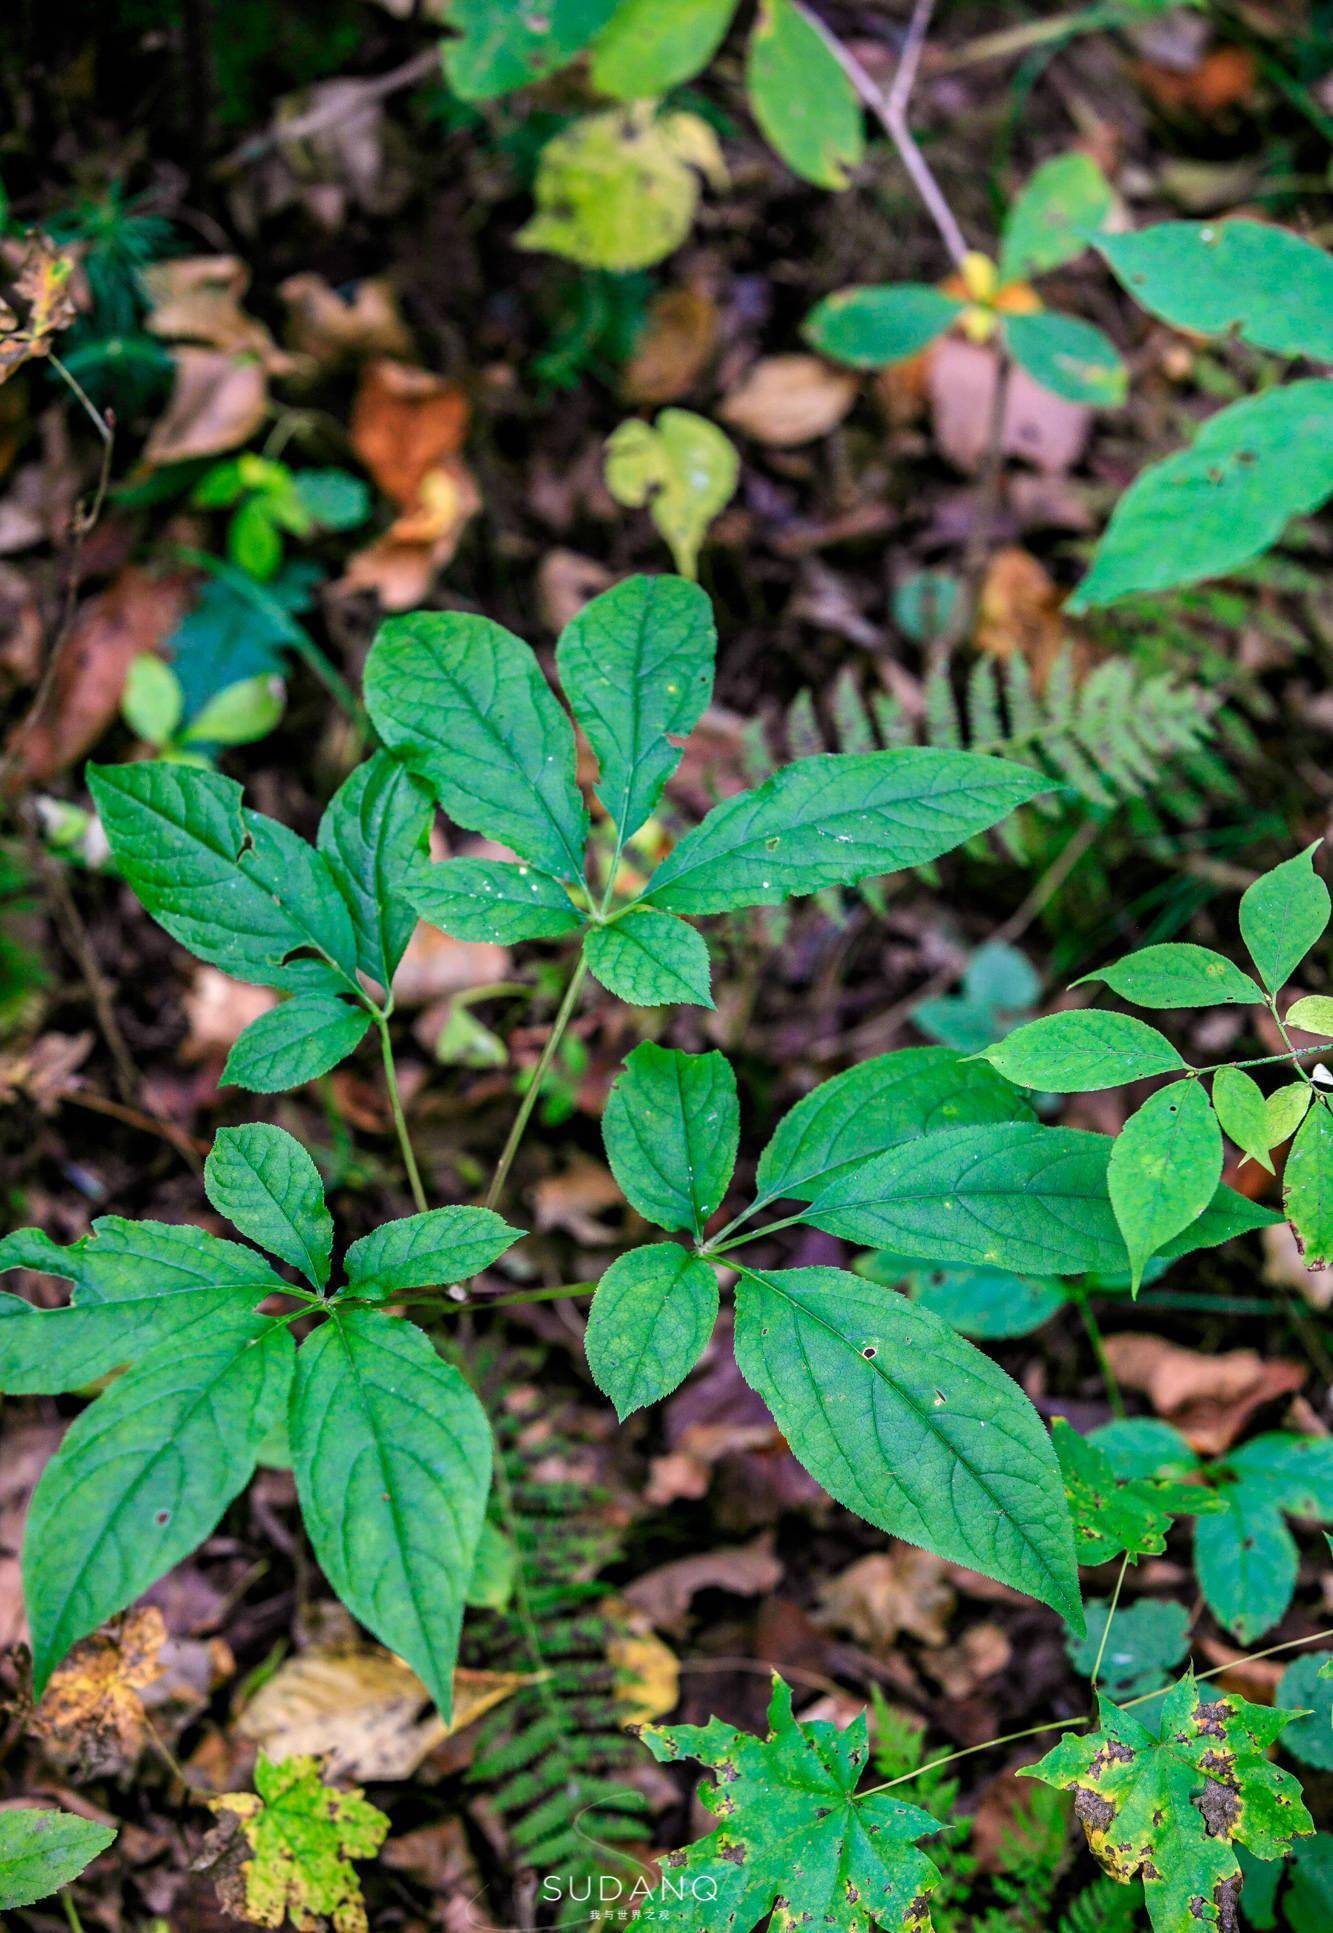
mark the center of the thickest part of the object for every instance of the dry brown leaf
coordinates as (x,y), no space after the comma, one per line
(889,1592)
(402,565)
(678,339)
(91,1717)
(959,1668)
(331,328)
(36,299)
(197,298)
(665,1595)
(405,421)
(1209,1399)
(1038,425)
(45,1071)
(574,1198)
(1225,78)
(1018,612)
(789,399)
(218,401)
(218,1008)
(565,582)
(435,966)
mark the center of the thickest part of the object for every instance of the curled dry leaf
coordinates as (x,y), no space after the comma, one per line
(197,298)
(407,428)
(330,327)
(1018,612)
(91,1718)
(217,402)
(1039,426)
(1209,1399)
(665,1595)
(881,1596)
(786,400)
(37,299)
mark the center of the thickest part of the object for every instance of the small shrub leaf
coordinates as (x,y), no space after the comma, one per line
(672,1127)
(1164,1169)
(1079,1052)
(42,1850)
(651,959)
(266,1185)
(650,1321)
(1177,974)
(1282,915)
(429,1250)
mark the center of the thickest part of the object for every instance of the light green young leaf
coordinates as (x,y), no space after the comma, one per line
(392,1456)
(144,1474)
(1312,1015)
(429,1250)
(1209,509)
(869,327)
(651,959)
(1282,915)
(464,704)
(909,1425)
(239,714)
(1262,283)
(151,705)
(295,1042)
(266,1185)
(803,101)
(636,666)
(647,49)
(491,899)
(1111,1514)
(1177,974)
(1238,1102)
(374,829)
(1164,1170)
(672,1127)
(1069,357)
(683,467)
(649,1323)
(619,190)
(1055,217)
(1078,1052)
(836,818)
(793,1831)
(1307,1186)
(1286,1108)
(495,50)
(42,1850)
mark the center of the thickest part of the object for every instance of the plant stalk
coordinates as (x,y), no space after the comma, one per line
(399,1118)
(529,1101)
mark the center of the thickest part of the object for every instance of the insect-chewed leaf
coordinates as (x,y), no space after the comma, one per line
(1078,1052)
(909,1425)
(835,818)
(464,704)
(636,665)
(439,1246)
(295,1042)
(801,98)
(135,1284)
(1164,1169)
(42,1850)
(1069,357)
(647,49)
(1307,1185)
(1170,1808)
(392,1456)
(146,1471)
(1112,1514)
(375,825)
(1262,283)
(650,1320)
(303,1836)
(1247,1560)
(794,1831)
(1055,217)
(869,327)
(496,50)
(1282,915)
(1242,1113)
(266,1185)
(491,899)
(1177,974)
(672,1127)
(651,959)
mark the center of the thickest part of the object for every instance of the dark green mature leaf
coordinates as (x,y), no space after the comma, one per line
(1305,1686)
(1069,357)
(295,1042)
(650,1321)
(1247,1560)
(1282,915)
(429,1250)
(985,1304)
(146,1471)
(869,327)
(836,818)
(1164,1169)
(1242,1113)
(1170,1809)
(266,1185)
(376,824)
(135,1284)
(672,1127)
(499,49)
(647,49)
(801,98)
(1209,509)
(1055,217)
(1148,1642)
(1177,974)
(42,1850)
(651,959)
(392,1456)
(490,899)
(1307,1185)
(794,1832)
(464,704)
(1077,1052)
(1112,1514)
(908,1425)
(636,665)
(1263,283)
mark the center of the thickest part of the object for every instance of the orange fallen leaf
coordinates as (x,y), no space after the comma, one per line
(405,422)
(91,1716)
(676,344)
(1018,612)
(1209,1398)
(1225,78)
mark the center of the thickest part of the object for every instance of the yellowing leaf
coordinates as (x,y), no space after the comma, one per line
(683,467)
(303,1836)
(36,304)
(91,1716)
(647,1672)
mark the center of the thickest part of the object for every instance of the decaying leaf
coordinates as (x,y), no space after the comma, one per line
(197,298)
(217,403)
(1209,1398)
(1038,426)
(36,300)
(786,400)
(408,427)
(91,1717)
(1018,611)
(332,326)
(683,467)
(678,339)
(303,1836)
(888,1592)
(647,1672)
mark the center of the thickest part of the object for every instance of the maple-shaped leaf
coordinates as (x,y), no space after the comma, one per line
(1111,1513)
(1170,1808)
(794,1837)
(303,1836)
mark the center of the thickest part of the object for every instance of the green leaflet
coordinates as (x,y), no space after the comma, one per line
(1307,1185)
(647,49)
(295,1042)
(801,98)
(908,1425)
(501,48)
(1266,285)
(463,702)
(985,1304)
(836,818)
(1305,1686)
(1177,974)
(1313,1014)
(793,1830)
(683,467)
(146,1471)
(651,959)
(394,1506)
(1149,1641)
(671,1127)
(1068,356)
(376,823)
(266,1185)
(1205,511)
(1171,1809)
(636,665)
(490,899)
(650,1321)
(1242,1113)
(1112,1514)
(1076,1052)
(1055,217)
(1285,1109)
(1282,915)
(1246,1561)
(42,1850)
(429,1250)
(869,327)
(1164,1169)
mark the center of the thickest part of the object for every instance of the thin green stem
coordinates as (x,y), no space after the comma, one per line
(399,1118)
(717,1247)
(450,1304)
(1281,1026)
(71,1910)
(1093,1329)
(1110,1620)
(529,1101)
(1269,1060)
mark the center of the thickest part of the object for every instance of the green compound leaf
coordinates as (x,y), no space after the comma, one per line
(683,467)
(834,819)
(1247,1560)
(295,1042)
(620,190)
(1286,1108)
(794,1837)
(266,1185)
(1211,508)
(636,665)
(800,96)
(650,1321)
(1305,1685)
(869,327)
(1177,974)
(672,1127)
(303,1836)
(392,1457)
(490,899)
(1242,1113)
(135,1284)
(651,959)
(1076,1053)
(1148,1643)
(498,49)
(1055,217)
(985,1304)
(145,1473)
(910,1426)
(1264,284)
(1112,1514)
(1164,1169)
(647,49)
(429,1250)
(1171,1809)
(1307,1185)
(376,824)
(1069,357)
(1282,915)
(42,1850)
